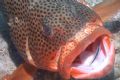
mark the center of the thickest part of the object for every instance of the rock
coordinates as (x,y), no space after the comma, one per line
(117,66)
(9,57)
(118,79)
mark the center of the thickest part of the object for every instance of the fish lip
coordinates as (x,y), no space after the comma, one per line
(65,61)
(106,69)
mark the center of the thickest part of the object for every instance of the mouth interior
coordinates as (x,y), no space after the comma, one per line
(91,58)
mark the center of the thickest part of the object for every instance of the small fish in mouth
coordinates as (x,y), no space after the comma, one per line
(62,36)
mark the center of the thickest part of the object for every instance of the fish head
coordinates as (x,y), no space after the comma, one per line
(62,35)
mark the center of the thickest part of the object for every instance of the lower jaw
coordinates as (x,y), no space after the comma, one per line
(101,66)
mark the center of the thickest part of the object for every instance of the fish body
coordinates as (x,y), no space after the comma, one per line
(52,34)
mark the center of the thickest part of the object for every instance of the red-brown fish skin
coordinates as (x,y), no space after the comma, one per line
(50,34)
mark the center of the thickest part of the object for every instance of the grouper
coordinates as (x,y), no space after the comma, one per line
(63,36)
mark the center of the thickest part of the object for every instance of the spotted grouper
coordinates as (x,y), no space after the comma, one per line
(63,36)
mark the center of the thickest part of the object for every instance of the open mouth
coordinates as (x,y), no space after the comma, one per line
(95,61)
